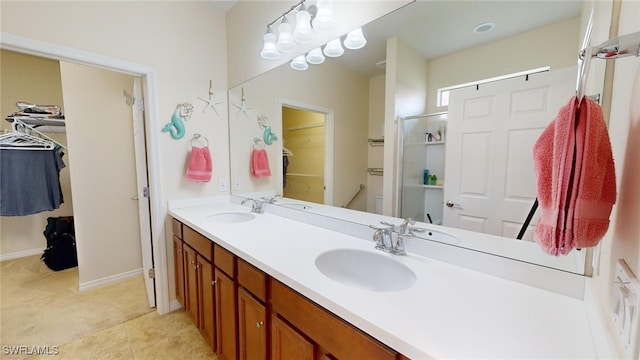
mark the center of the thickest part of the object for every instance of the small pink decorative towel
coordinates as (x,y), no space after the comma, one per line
(259,163)
(200,166)
(575,178)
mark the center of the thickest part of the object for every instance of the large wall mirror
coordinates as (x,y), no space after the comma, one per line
(322,131)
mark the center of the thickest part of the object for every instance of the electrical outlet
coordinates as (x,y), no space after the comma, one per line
(626,309)
(222,185)
(236,184)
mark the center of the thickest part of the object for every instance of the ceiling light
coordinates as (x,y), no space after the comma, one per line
(303,32)
(315,56)
(355,40)
(285,37)
(324,18)
(299,63)
(333,48)
(482,28)
(269,50)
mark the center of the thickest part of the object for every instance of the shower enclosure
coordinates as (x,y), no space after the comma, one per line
(422,141)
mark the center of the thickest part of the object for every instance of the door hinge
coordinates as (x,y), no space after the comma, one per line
(140,104)
(145,191)
(152,273)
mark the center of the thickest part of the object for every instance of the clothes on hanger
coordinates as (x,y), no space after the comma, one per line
(30,181)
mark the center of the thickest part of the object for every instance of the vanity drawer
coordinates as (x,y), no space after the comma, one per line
(252,279)
(199,243)
(224,260)
(339,338)
(177,228)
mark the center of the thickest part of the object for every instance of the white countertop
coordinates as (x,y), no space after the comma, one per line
(450,311)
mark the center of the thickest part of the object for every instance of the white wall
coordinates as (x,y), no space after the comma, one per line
(622,241)
(185,43)
(247,23)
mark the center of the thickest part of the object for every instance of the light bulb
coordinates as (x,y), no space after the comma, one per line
(299,63)
(303,32)
(269,50)
(324,18)
(285,37)
(355,40)
(333,48)
(315,56)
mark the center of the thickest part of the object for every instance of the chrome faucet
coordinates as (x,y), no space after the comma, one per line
(392,232)
(256,207)
(273,199)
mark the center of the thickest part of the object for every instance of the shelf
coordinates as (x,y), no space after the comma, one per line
(434,142)
(433,186)
(376,142)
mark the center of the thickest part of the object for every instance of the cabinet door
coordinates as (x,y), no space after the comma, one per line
(226,311)
(252,328)
(191,283)
(178,264)
(206,302)
(287,343)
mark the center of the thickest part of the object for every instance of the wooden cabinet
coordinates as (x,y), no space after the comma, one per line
(245,314)
(252,327)
(287,343)
(191,283)
(178,265)
(225,301)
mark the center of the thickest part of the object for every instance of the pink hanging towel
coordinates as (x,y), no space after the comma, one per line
(575,178)
(259,167)
(200,166)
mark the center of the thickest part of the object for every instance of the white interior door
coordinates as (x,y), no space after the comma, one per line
(491,132)
(143,193)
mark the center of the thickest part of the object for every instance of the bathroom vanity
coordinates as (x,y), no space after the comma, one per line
(262,286)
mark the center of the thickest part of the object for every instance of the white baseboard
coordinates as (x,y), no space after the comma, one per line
(174,305)
(20,254)
(109,280)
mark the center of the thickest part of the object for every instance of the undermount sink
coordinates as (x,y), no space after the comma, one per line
(230,217)
(365,269)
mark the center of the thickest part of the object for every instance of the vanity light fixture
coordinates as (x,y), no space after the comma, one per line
(270,50)
(355,39)
(285,37)
(303,33)
(324,19)
(299,63)
(315,56)
(334,48)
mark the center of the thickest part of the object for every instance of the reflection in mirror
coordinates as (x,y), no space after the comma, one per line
(357,95)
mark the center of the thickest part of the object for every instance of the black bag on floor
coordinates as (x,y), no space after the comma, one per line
(61,251)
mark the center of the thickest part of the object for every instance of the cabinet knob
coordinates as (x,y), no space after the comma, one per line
(214,282)
(179,251)
(259,324)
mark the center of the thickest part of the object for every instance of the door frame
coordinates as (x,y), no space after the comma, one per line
(48,50)
(328,140)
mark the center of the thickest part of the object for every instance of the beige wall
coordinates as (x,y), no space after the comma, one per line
(32,79)
(247,23)
(622,241)
(554,46)
(328,87)
(405,95)
(376,131)
(183,41)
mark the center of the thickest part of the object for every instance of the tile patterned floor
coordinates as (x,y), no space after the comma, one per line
(43,308)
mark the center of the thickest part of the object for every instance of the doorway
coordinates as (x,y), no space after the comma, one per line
(147,77)
(303,154)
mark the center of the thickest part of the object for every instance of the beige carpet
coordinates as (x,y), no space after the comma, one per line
(42,311)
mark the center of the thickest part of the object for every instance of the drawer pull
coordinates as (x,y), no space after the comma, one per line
(259,324)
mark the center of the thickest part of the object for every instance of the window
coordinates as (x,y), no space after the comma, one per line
(443,93)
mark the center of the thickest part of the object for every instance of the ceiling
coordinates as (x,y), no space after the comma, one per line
(439,27)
